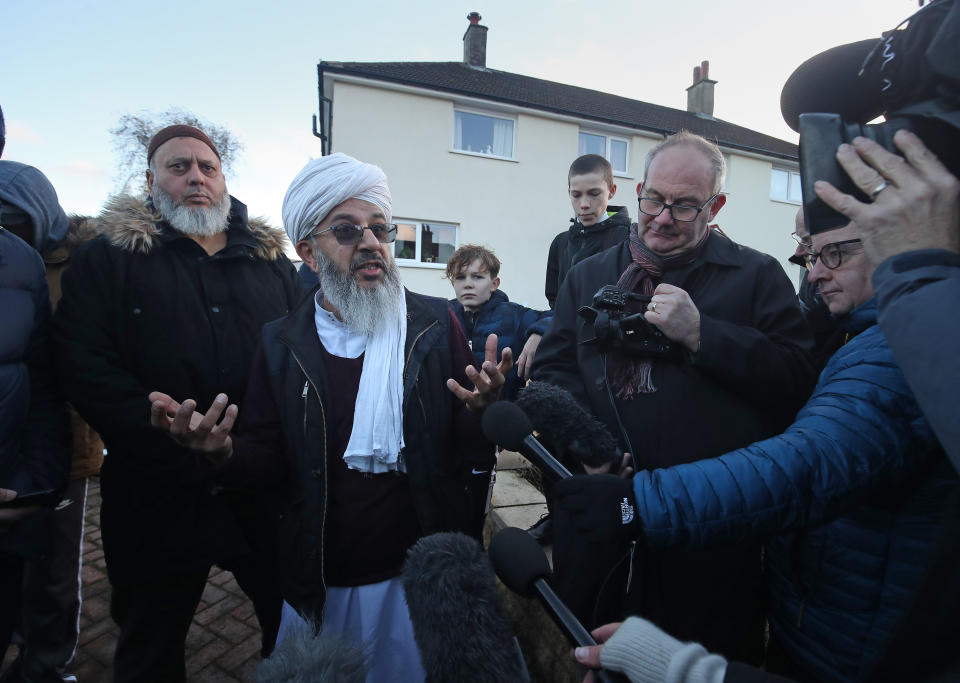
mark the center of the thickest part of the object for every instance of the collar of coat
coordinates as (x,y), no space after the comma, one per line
(133,225)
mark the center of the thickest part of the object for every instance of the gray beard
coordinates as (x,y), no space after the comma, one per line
(203,222)
(363,309)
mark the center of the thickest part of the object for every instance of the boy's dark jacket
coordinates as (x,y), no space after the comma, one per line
(579,242)
(512,323)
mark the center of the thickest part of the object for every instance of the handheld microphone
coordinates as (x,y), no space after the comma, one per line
(522,566)
(507,426)
(459,620)
(561,420)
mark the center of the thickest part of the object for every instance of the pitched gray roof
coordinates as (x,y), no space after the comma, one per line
(535,93)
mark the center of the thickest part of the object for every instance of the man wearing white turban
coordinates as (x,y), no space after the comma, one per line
(369,392)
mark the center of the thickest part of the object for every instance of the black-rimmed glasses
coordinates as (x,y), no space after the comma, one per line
(350,235)
(680,212)
(831,254)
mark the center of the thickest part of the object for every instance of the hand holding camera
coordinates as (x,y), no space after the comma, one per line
(673,312)
(915,199)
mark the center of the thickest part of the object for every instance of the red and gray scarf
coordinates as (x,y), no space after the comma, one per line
(631,375)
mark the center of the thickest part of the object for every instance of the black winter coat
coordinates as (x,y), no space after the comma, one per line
(752,373)
(577,243)
(288,429)
(146,309)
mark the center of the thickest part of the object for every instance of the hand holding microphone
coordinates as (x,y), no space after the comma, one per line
(601,507)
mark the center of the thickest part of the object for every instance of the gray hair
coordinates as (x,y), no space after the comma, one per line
(709,150)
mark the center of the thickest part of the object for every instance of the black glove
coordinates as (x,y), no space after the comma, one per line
(600,507)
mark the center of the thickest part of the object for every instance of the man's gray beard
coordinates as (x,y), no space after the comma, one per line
(192,220)
(362,309)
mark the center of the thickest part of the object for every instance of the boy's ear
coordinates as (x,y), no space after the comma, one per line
(613,191)
(496,283)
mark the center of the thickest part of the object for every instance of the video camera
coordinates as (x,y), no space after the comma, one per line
(911,75)
(616,327)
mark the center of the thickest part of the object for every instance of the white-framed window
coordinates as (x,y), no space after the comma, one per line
(484,134)
(424,243)
(614,150)
(785,186)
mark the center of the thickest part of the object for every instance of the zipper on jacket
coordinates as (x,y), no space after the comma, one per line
(406,363)
(323,424)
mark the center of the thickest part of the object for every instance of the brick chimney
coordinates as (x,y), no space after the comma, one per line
(475,43)
(700,94)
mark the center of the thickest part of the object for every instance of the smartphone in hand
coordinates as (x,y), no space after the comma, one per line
(47,498)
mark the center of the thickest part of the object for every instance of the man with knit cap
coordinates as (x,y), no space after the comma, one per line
(172,296)
(369,393)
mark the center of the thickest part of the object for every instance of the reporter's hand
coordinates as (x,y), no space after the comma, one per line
(918,207)
(673,312)
(488,381)
(590,656)
(192,430)
(625,471)
(10,516)
(601,507)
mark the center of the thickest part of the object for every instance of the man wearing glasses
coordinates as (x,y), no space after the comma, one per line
(742,370)
(171,297)
(364,405)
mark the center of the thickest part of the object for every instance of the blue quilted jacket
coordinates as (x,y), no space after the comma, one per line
(511,322)
(848,500)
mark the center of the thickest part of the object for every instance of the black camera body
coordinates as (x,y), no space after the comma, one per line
(821,134)
(616,328)
(910,76)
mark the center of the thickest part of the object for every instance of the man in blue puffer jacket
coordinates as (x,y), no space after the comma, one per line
(849,498)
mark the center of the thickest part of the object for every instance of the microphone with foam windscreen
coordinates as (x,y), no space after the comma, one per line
(459,619)
(522,566)
(305,657)
(562,421)
(507,426)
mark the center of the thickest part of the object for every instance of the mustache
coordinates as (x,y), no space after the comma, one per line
(366,259)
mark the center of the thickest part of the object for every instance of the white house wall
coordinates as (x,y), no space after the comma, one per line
(514,207)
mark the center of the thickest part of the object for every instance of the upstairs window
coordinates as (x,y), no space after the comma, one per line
(785,186)
(482,134)
(421,242)
(614,150)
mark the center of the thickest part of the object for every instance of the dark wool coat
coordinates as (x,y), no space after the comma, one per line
(750,375)
(860,483)
(577,243)
(512,323)
(144,309)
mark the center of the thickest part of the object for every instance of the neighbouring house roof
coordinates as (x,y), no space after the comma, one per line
(535,93)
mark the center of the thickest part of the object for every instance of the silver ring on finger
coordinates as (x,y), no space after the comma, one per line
(878,189)
(653,306)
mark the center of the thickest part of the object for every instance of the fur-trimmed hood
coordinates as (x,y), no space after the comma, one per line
(133,225)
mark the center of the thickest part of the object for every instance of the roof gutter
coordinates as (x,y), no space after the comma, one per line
(324,106)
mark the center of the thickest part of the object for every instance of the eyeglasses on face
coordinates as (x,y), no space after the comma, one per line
(350,235)
(831,254)
(680,212)
(805,241)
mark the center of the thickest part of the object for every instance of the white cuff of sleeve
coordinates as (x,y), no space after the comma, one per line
(648,655)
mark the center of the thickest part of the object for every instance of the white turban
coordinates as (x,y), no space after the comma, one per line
(325,183)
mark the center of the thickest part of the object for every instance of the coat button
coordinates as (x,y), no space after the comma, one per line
(215,309)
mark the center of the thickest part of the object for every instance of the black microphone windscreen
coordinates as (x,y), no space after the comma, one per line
(830,83)
(302,657)
(518,560)
(564,424)
(459,619)
(506,425)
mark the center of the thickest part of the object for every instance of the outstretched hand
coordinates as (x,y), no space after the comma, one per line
(488,381)
(192,430)
(915,200)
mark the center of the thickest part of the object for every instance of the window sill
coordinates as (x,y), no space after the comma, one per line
(410,263)
(785,201)
(483,156)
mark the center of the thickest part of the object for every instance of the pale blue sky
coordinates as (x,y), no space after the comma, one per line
(71,69)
